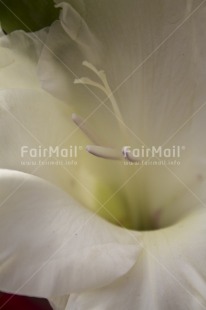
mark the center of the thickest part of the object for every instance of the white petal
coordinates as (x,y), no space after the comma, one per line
(169,274)
(59,303)
(118,37)
(163,101)
(34,119)
(19,53)
(51,246)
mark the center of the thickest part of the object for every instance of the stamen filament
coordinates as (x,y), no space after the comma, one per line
(110,96)
(104,87)
(87,81)
(104,152)
(91,67)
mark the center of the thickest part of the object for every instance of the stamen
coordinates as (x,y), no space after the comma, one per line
(100,73)
(127,154)
(87,81)
(104,86)
(91,67)
(104,152)
(78,120)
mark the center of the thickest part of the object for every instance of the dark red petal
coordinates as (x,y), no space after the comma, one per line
(15,302)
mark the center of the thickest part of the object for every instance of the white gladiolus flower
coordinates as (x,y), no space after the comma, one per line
(105,208)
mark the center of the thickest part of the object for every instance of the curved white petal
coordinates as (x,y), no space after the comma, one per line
(19,54)
(33,120)
(169,273)
(162,102)
(59,303)
(51,246)
(146,49)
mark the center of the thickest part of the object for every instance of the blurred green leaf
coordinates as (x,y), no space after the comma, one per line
(28,15)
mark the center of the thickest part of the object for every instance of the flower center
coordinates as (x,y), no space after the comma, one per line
(133,214)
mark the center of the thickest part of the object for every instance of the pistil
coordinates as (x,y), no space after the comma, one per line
(103,85)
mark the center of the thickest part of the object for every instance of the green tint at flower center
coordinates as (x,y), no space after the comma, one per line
(112,201)
(113,207)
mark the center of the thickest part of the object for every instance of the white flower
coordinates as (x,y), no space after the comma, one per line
(134,73)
